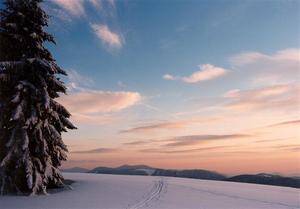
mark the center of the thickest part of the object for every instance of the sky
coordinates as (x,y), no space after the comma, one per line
(181,84)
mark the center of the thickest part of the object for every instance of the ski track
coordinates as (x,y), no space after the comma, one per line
(152,196)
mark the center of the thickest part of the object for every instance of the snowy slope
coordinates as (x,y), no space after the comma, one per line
(95,191)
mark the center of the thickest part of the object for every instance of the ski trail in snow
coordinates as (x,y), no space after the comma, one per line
(153,195)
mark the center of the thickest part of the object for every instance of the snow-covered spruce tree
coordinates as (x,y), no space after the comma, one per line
(31,121)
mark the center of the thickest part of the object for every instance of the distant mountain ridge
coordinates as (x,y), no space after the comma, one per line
(261,178)
(194,173)
(135,167)
(267,179)
(76,170)
(122,170)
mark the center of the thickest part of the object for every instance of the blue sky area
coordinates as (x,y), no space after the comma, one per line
(210,84)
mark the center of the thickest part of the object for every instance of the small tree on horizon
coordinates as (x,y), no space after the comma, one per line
(31,121)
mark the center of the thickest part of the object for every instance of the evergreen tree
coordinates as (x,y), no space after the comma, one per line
(31,121)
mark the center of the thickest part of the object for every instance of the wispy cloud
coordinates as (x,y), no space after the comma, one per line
(286,123)
(206,72)
(181,151)
(275,98)
(287,147)
(76,80)
(197,139)
(279,67)
(270,97)
(90,106)
(176,124)
(254,57)
(144,142)
(270,140)
(139,142)
(91,101)
(96,3)
(171,145)
(246,58)
(75,8)
(98,150)
(272,79)
(95,119)
(107,36)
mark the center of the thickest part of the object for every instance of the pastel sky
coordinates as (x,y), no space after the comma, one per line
(181,84)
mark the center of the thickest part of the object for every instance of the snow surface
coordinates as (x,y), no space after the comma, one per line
(96,191)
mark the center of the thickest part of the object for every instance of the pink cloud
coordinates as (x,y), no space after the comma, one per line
(191,140)
(96,151)
(94,119)
(167,125)
(290,54)
(271,97)
(182,151)
(169,77)
(108,37)
(206,72)
(99,101)
(75,8)
(286,123)
(246,58)
(279,67)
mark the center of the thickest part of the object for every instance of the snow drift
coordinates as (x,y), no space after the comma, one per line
(96,191)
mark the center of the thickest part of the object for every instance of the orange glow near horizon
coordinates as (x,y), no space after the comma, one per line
(271,149)
(249,129)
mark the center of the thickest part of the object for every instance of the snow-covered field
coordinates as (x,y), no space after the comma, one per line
(95,191)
